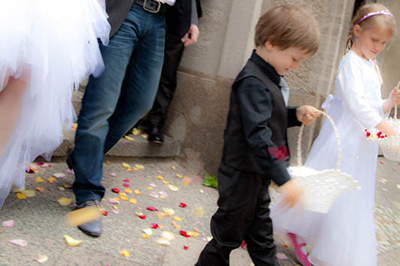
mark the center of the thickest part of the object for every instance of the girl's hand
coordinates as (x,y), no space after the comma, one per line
(395,96)
(307,114)
(386,128)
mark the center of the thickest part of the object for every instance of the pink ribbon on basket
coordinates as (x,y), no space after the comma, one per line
(280,153)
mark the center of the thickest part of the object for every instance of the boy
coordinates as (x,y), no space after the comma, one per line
(255,139)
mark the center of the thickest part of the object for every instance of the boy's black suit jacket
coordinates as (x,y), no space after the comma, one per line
(178,17)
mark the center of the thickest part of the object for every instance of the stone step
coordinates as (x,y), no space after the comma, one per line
(140,147)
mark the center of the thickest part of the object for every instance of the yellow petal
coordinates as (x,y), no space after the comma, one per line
(168,211)
(135,131)
(82,216)
(72,242)
(179,176)
(21,196)
(173,167)
(191,233)
(148,231)
(185,181)
(150,188)
(40,189)
(137,192)
(64,201)
(168,235)
(67,186)
(125,253)
(145,236)
(173,188)
(177,227)
(160,177)
(166,182)
(124,198)
(129,191)
(163,242)
(29,193)
(160,215)
(139,166)
(129,138)
(176,218)
(51,179)
(126,166)
(133,201)
(39,179)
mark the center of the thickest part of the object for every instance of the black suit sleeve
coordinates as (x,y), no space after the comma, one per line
(255,103)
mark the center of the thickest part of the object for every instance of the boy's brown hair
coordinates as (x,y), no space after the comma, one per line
(288,26)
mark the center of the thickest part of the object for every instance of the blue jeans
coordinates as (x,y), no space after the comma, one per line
(115,101)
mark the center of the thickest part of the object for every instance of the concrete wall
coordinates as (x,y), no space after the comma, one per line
(197,116)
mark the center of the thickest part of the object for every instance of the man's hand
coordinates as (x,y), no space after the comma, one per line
(292,193)
(191,36)
(307,114)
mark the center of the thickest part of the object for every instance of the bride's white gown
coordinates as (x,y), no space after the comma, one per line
(56,42)
(346,235)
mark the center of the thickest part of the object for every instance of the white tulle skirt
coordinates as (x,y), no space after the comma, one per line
(345,235)
(53,45)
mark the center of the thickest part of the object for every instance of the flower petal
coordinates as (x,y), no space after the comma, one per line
(72,242)
(18,242)
(9,223)
(153,209)
(125,253)
(64,201)
(115,190)
(39,179)
(42,258)
(182,205)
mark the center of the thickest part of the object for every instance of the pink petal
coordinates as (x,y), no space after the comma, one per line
(125,185)
(113,174)
(126,180)
(281,256)
(115,190)
(71,172)
(18,242)
(153,209)
(9,223)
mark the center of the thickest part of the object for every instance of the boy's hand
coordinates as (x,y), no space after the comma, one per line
(307,114)
(191,36)
(292,193)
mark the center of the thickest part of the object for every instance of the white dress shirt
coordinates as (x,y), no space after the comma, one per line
(169,2)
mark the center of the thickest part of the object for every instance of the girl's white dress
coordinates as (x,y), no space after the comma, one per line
(345,235)
(53,44)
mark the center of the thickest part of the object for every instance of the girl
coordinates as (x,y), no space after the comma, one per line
(346,235)
(46,48)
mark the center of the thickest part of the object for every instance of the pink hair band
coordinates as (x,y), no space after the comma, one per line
(371,14)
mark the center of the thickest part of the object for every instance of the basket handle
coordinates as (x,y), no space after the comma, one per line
(339,147)
(395,106)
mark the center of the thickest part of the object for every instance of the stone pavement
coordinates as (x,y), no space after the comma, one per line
(40,220)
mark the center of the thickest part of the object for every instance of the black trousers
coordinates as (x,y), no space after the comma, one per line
(243,214)
(172,57)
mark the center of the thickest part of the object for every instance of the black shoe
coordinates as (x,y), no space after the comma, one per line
(155,135)
(70,163)
(95,227)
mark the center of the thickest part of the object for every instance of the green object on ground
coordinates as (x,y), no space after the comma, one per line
(210,181)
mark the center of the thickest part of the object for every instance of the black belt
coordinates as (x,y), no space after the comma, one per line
(152,6)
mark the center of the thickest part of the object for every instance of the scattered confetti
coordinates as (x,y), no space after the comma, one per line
(125,253)
(18,242)
(42,258)
(72,242)
(64,201)
(9,223)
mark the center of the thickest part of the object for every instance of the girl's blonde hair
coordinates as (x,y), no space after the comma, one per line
(288,26)
(383,21)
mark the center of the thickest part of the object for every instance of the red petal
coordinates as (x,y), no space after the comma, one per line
(126,185)
(182,205)
(154,226)
(183,233)
(105,213)
(115,190)
(152,209)
(185,247)
(142,217)
(126,180)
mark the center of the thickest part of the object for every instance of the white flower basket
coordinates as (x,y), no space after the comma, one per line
(321,188)
(390,146)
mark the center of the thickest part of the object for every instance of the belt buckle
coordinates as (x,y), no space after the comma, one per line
(149,10)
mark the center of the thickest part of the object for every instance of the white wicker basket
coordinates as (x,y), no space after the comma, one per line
(390,146)
(321,188)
